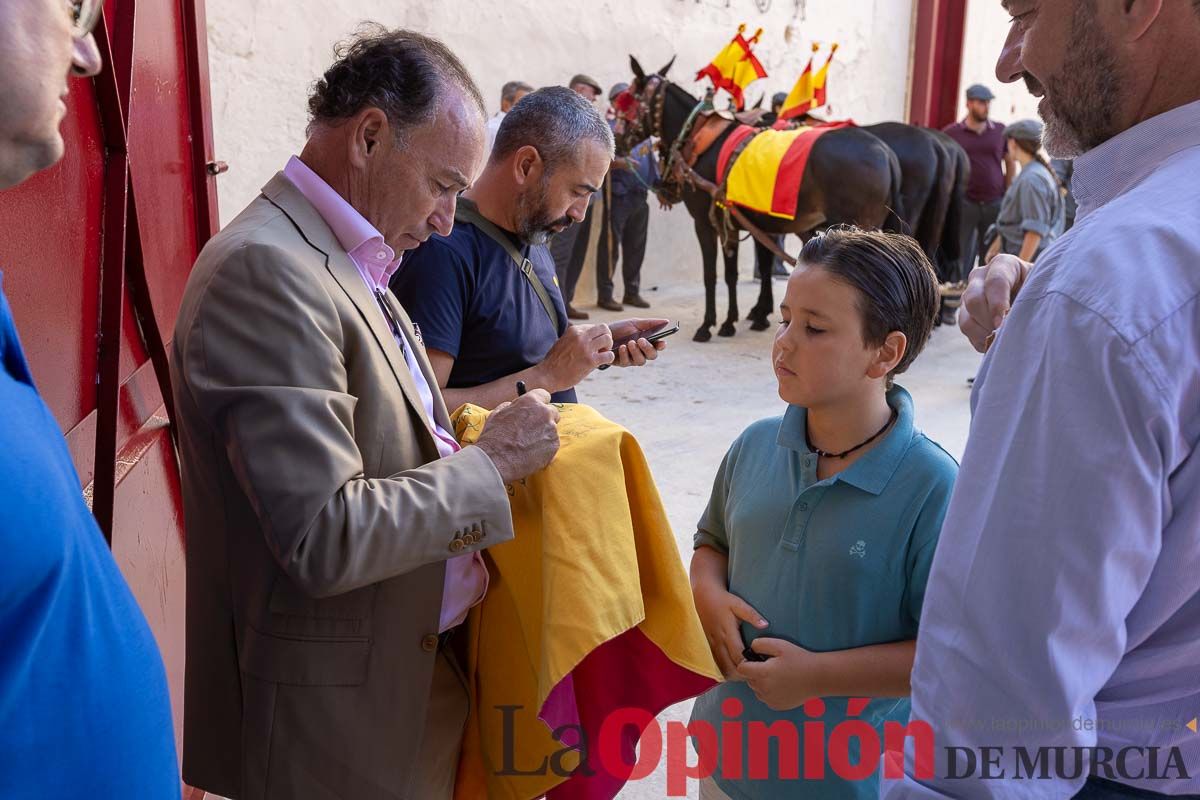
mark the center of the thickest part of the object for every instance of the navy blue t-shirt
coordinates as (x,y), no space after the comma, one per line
(84,709)
(470,300)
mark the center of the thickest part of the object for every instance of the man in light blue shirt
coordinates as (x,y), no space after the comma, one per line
(1063,604)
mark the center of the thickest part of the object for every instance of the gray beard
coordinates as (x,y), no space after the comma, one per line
(1077,108)
(532,225)
(538,237)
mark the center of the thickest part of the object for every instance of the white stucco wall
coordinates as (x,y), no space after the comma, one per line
(986,29)
(264,54)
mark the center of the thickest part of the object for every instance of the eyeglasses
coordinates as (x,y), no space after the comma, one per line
(85,14)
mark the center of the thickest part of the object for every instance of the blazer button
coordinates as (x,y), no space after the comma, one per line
(471,539)
(429,643)
(457,545)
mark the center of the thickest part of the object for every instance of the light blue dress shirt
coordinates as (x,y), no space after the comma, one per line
(1063,606)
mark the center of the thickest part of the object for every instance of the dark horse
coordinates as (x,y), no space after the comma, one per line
(851,178)
(935,170)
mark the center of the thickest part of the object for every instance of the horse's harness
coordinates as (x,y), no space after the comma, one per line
(677,159)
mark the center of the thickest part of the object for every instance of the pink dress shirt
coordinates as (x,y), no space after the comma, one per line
(466,575)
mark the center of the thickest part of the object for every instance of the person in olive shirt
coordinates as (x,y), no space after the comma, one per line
(1032,214)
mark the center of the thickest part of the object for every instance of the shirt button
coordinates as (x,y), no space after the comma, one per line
(429,643)
(381,255)
(804,506)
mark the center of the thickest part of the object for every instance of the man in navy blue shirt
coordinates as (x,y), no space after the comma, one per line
(84,709)
(628,220)
(485,322)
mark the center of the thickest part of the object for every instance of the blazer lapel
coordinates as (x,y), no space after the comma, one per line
(287,197)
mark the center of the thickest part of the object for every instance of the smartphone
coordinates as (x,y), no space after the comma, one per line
(662,333)
(670,329)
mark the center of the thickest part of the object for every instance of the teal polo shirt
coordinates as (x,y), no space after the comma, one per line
(831,564)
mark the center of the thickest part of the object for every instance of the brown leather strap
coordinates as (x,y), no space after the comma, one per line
(750,228)
(467,211)
(703,137)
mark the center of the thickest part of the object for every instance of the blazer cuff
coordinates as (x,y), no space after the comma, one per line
(478,477)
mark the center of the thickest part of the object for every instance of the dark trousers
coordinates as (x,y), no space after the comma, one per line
(569,250)
(1101,789)
(629,224)
(976,219)
(776,265)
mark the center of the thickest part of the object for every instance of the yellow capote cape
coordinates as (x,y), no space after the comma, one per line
(593,563)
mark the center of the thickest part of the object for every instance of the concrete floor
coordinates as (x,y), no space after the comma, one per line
(687,408)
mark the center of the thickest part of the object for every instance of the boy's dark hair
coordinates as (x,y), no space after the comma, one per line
(897,287)
(400,72)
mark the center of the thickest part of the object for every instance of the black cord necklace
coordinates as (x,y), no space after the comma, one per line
(859,446)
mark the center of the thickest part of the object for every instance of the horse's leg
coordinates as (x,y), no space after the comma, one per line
(766,303)
(707,237)
(729,327)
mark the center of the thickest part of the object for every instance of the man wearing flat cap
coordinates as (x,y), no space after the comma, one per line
(587,86)
(992,172)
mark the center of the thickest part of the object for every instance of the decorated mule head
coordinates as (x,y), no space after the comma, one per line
(639,108)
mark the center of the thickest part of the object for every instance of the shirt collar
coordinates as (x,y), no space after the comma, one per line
(1106,171)
(872,472)
(357,236)
(988,126)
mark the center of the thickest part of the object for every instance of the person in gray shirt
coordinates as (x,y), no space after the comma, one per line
(1032,212)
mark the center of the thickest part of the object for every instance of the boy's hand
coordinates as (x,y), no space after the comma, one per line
(788,677)
(720,612)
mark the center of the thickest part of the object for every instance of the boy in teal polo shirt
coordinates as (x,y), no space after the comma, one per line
(820,531)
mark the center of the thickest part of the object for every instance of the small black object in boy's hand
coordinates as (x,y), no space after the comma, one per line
(750,654)
(521,389)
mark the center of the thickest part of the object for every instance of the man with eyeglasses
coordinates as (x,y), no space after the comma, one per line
(84,708)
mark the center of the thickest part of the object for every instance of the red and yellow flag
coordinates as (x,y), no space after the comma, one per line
(809,91)
(736,66)
(820,97)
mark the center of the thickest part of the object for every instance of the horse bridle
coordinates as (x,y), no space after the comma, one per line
(652,101)
(677,173)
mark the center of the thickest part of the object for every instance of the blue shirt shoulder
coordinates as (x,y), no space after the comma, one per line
(83,693)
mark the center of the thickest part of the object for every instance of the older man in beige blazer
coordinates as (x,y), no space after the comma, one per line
(333,525)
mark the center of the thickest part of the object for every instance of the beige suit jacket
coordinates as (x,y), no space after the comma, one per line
(319,517)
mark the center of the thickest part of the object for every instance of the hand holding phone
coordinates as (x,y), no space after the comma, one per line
(653,336)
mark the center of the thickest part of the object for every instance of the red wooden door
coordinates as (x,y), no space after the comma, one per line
(95,254)
(936,61)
